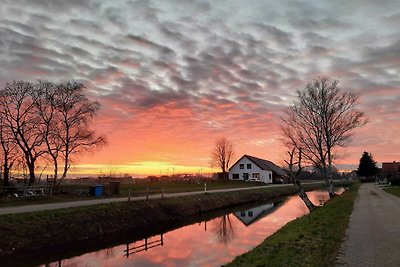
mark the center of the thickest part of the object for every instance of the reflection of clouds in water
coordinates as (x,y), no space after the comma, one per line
(225,238)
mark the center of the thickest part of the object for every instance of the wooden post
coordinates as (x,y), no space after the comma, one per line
(162,193)
(147,194)
(205,187)
(129,195)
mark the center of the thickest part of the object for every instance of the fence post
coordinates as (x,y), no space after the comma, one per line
(51,191)
(205,187)
(162,193)
(129,195)
(147,193)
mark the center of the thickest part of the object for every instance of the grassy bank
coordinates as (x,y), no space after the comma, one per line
(394,190)
(39,230)
(312,240)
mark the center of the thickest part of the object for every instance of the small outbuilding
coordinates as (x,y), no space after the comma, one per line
(249,168)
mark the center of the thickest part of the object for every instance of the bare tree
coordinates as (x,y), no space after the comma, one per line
(49,123)
(76,112)
(8,151)
(18,111)
(294,167)
(320,121)
(222,154)
(46,120)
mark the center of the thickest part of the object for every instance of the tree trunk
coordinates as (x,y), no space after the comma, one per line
(304,197)
(331,192)
(6,174)
(66,167)
(31,169)
(55,171)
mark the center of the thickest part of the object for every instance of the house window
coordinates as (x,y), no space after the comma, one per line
(256,175)
(245,176)
(250,213)
(241,166)
(248,166)
(270,176)
(242,214)
(235,176)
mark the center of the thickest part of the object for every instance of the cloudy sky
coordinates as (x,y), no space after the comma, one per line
(173,75)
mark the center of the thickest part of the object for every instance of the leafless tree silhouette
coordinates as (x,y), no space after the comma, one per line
(225,230)
(319,122)
(222,154)
(46,120)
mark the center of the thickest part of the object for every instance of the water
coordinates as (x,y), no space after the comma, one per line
(210,243)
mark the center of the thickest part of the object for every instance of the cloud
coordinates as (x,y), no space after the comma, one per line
(192,69)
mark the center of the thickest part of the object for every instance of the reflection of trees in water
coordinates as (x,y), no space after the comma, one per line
(109,253)
(225,230)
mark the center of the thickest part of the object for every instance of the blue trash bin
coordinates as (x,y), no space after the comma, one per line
(98,190)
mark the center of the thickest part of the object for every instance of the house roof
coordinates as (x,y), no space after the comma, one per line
(263,164)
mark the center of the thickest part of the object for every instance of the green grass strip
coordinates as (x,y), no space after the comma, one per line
(312,240)
(394,190)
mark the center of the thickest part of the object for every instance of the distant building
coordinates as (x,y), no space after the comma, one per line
(249,168)
(391,169)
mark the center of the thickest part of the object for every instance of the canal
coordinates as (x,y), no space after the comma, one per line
(213,242)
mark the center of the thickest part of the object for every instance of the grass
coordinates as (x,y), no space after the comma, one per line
(312,240)
(394,190)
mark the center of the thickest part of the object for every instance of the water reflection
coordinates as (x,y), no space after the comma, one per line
(252,215)
(225,230)
(144,245)
(210,243)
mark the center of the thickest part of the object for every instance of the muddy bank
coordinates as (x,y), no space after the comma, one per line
(26,233)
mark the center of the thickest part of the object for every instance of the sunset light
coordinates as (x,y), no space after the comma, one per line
(171,78)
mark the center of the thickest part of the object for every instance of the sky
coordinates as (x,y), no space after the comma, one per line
(172,76)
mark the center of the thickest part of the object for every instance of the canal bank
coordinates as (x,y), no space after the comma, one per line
(312,240)
(29,232)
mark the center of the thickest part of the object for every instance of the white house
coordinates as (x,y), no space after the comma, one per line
(255,169)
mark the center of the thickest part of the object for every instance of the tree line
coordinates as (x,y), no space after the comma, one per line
(45,122)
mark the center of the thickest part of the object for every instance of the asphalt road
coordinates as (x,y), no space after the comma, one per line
(60,205)
(373,235)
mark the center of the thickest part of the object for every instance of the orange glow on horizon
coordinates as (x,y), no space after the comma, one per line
(143,168)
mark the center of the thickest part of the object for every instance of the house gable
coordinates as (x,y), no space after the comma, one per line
(249,168)
(262,164)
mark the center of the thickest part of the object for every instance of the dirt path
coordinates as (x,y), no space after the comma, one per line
(373,235)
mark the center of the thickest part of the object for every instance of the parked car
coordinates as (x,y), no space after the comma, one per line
(279,181)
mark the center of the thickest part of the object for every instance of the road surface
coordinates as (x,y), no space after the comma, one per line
(373,235)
